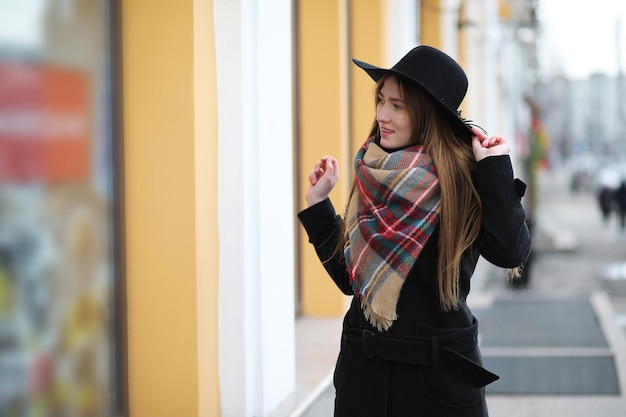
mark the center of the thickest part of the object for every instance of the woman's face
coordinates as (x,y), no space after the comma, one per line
(392,116)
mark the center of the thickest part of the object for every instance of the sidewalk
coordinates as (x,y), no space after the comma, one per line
(317,347)
(566,357)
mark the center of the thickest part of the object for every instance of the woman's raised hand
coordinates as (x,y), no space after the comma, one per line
(484,146)
(322,180)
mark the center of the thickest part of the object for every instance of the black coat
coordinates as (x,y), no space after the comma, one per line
(377,381)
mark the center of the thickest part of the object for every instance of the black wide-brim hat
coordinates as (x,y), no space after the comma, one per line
(437,74)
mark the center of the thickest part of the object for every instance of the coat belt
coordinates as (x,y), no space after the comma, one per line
(424,351)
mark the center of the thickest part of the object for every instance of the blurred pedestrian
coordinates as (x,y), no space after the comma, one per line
(620,200)
(605,201)
(431,193)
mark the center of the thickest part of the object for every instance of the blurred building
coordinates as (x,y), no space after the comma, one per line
(170,209)
(584,121)
(584,115)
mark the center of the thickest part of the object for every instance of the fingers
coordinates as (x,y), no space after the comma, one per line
(322,177)
(484,146)
(331,167)
(313,177)
(479,133)
(485,140)
(326,166)
(492,141)
(476,141)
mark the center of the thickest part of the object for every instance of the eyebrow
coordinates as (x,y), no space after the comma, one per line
(381,95)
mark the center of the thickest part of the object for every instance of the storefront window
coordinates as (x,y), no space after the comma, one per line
(58,265)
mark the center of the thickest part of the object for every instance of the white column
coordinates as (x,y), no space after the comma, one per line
(256,337)
(276,187)
(402,28)
(450,25)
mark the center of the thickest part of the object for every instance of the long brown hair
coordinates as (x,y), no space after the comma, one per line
(460,213)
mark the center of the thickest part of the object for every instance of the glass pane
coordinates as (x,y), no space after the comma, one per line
(57,196)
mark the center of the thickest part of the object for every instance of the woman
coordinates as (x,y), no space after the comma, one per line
(431,194)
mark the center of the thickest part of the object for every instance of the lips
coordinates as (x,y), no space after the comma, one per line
(385,132)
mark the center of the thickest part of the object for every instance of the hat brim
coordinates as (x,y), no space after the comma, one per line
(376,73)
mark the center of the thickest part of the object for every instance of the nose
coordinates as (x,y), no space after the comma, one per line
(382,115)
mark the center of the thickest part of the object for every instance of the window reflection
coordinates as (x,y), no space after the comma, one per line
(56,197)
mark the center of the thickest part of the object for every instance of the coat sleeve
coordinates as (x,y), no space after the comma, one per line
(504,238)
(322,225)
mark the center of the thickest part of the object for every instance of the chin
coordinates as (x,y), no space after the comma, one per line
(389,144)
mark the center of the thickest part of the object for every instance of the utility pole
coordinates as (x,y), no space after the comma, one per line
(531,101)
(621,85)
(535,133)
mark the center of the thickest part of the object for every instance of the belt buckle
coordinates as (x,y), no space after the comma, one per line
(368,343)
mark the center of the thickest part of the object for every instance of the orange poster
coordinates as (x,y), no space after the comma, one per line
(44,123)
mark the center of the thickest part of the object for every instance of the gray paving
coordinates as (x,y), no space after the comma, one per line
(536,322)
(549,375)
(323,407)
(546,346)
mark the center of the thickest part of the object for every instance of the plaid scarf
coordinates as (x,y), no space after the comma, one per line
(392,212)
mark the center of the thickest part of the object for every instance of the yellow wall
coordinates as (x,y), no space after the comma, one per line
(367,35)
(169,124)
(323,128)
(430,22)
